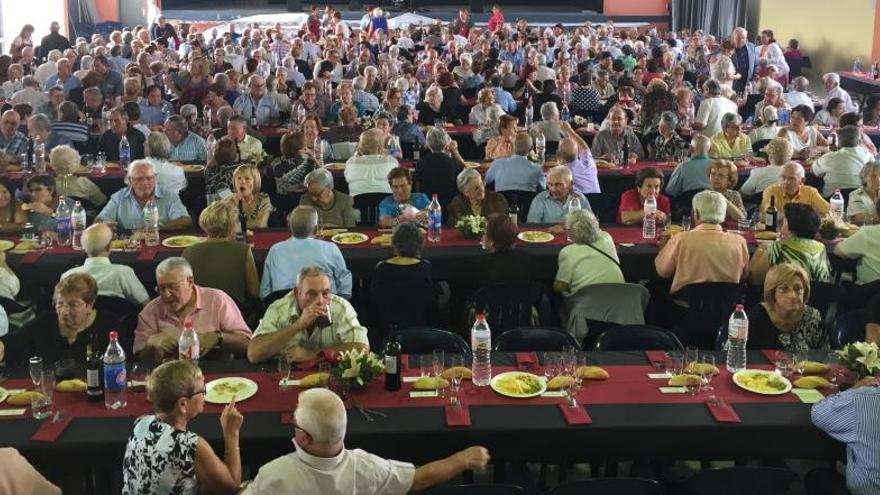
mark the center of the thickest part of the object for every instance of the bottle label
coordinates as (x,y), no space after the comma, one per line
(62,225)
(391,365)
(434,220)
(115,378)
(93,379)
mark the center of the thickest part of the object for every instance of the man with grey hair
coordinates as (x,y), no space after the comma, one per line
(517,173)
(549,125)
(40,128)
(308,322)
(791,189)
(713,107)
(322,465)
(590,259)
(186,145)
(693,173)
(367,100)
(551,206)
(29,93)
(126,206)
(436,171)
(257,102)
(113,280)
(797,95)
(158,152)
(608,142)
(833,90)
(706,253)
(64,77)
(842,168)
(214,316)
(287,258)
(335,209)
(47,68)
(744,57)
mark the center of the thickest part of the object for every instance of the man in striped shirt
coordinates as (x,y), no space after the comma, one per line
(186,145)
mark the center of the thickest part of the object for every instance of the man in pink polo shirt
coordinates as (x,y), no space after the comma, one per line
(213,314)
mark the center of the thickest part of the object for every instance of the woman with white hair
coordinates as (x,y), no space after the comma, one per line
(335,209)
(485,101)
(431,108)
(66,163)
(769,126)
(367,170)
(489,129)
(473,198)
(668,145)
(590,259)
(773,97)
(436,170)
(862,207)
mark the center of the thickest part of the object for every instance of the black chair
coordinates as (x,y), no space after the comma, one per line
(116,305)
(541,339)
(522,199)
(638,338)
(824,297)
(476,490)
(11,306)
(274,296)
(682,205)
(508,306)
(753,480)
(368,204)
(709,306)
(423,340)
(609,486)
(604,206)
(757,146)
(848,327)
(401,306)
(748,108)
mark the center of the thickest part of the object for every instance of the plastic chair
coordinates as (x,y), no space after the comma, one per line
(476,490)
(541,339)
(824,296)
(638,338)
(609,486)
(522,199)
(709,305)
(343,151)
(604,205)
(595,308)
(848,327)
(116,305)
(753,480)
(368,204)
(423,340)
(508,306)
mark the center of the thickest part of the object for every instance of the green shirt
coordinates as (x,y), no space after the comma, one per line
(807,253)
(344,327)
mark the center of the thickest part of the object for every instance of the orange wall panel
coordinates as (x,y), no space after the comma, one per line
(108,10)
(636,7)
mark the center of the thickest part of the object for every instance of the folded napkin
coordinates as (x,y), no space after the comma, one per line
(575,415)
(286,418)
(526,360)
(49,431)
(771,355)
(31,257)
(457,416)
(656,357)
(147,254)
(722,411)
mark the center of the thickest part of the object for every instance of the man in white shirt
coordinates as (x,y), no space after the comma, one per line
(842,169)
(113,280)
(322,465)
(833,90)
(713,107)
(29,93)
(798,94)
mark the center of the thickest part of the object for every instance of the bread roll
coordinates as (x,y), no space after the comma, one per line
(315,380)
(430,383)
(23,398)
(812,382)
(684,380)
(465,372)
(592,373)
(74,385)
(559,382)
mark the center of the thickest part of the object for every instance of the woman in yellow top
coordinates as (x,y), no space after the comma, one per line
(501,146)
(731,143)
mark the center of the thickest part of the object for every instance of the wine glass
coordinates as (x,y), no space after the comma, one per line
(283,371)
(691,356)
(35,367)
(783,363)
(551,365)
(675,363)
(456,364)
(571,390)
(569,360)
(707,371)
(798,362)
(437,365)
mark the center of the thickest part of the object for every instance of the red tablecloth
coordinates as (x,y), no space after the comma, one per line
(864,77)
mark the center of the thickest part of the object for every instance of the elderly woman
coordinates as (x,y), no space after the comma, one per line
(436,170)
(393,98)
(501,146)
(549,125)
(489,128)
(335,209)
(311,131)
(783,320)
(44,201)
(218,173)
(772,98)
(67,331)
(158,152)
(367,171)
(722,179)
(473,198)
(798,245)
(66,162)
(12,215)
(731,142)
(769,126)
(431,108)
(779,152)
(162,453)
(830,115)
(238,278)
(712,109)
(649,181)
(804,138)
(862,208)
(723,70)
(406,268)
(348,130)
(403,204)
(684,106)
(246,182)
(502,263)
(485,101)
(296,161)
(668,145)
(346,97)
(591,259)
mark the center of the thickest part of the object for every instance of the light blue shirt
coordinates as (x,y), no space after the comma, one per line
(504,99)
(546,209)
(286,259)
(125,210)
(266,108)
(72,82)
(191,149)
(515,58)
(156,115)
(516,173)
(690,175)
(388,206)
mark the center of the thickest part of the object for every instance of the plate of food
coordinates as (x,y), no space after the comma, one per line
(221,390)
(762,382)
(335,166)
(535,236)
(350,238)
(6,245)
(3,394)
(182,241)
(192,167)
(471,164)
(605,164)
(518,384)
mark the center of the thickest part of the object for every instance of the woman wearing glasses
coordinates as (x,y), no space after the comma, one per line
(163,457)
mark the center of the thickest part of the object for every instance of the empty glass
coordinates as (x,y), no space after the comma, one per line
(283,371)
(438,361)
(707,371)
(798,362)
(783,363)
(691,356)
(675,364)
(35,367)
(569,360)
(551,365)
(686,223)
(426,364)
(571,389)
(41,406)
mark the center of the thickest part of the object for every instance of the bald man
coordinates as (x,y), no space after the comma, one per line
(791,189)
(575,154)
(113,280)
(609,142)
(692,174)
(257,102)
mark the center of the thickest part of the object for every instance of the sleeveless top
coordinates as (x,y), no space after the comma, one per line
(159,460)
(796,141)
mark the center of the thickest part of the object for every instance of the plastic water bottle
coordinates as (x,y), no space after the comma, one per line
(530,114)
(737,336)
(565,115)
(211,144)
(393,145)
(541,147)
(649,220)
(124,153)
(188,344)
(481,345)
(78,220)
(857,65)
(151,223)
(62,222)
(836,202)
(435,219)
(115,377)
(39,156)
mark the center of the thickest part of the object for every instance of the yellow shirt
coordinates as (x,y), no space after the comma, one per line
(807,195)
(722,149)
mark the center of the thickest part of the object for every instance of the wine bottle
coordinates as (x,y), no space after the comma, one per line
(95,390)
(771,216)
(392,362)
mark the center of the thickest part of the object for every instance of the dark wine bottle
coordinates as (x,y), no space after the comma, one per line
(771,216)
(392,362)
(95,390)
(242,221)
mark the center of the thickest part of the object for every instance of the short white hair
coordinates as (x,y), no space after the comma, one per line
(798,169)
(548,110)
(560,173)
(174,263)
(834,76)
(137,164)
(711,206)
(321,414)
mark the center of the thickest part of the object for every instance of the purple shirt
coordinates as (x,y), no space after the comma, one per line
(584,174)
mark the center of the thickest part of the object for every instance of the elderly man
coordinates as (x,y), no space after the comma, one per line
(53,40)
(833,90)
(368,101)
(29,93)
(126,206)
(40,127)
(549,125)
(797,95)
(517,173)
(706,253)
(213,314)
(744,57)
(575,154)
(158,153)
(47,68)
(12,142)
(250,149)
(551,206)
(52,107)
(693,173)
(609,142)
(64,77)
(155,110)
(287,258)
(791,189)
(713,107)
(111,81)
(186,145)
(307,321)
(119,126)
(322,465)
(257,103)
(113,280)
(335,209)
(842,168)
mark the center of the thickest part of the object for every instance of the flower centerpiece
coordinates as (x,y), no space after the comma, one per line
(359,367)
(861,358)
(471,226)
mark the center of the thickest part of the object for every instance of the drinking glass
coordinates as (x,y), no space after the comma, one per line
(783,363)
(283,371)
(137,379)
(35,367)
(707,371)
(691,356)
(675,365)
(580,361)
(456,364)
(686,223)
(569,356)
(551,365)
(437,361)
(692,385)
(744,225)
(798,361)
(426,364)
(571,390)
(41,406)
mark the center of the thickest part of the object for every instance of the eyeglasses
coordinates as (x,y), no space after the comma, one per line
(170,287)
(147,178)
(194,393)
(796,290)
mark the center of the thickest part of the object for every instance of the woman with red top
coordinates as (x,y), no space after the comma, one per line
(497,19)
(648,181)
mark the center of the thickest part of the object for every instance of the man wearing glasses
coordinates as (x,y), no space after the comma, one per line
(126,206)
(791,189)
(258,103)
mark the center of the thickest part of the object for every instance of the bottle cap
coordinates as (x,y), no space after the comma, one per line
(114,335)
(481,316)
(739,307)
(188,324)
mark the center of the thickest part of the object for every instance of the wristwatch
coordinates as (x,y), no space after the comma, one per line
(219,339)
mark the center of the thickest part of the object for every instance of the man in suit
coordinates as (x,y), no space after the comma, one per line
(745,58)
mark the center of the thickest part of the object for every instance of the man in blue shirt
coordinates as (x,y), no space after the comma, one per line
(186,145)
(111,81)
(552,205)
(12,142)
(286,259)
(513,55)
(64,77)
(502,97)
(517,173)
(126,205)
(692,174)
(258,103)
(390,212)
(157,110)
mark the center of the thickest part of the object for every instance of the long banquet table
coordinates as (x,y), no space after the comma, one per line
(860,83)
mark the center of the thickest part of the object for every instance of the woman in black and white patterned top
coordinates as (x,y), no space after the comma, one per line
(162,457)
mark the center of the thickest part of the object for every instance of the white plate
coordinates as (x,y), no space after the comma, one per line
(6,245)
(189,240)
(501,376)
(246,389)
(3,394)
(739,374)
(545,236)
(350,238)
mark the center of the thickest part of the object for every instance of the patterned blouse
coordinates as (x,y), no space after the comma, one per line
(807,253)
(159,460)
(291,172)
(261,204)
(661,149)
(809,333)
(218,177)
